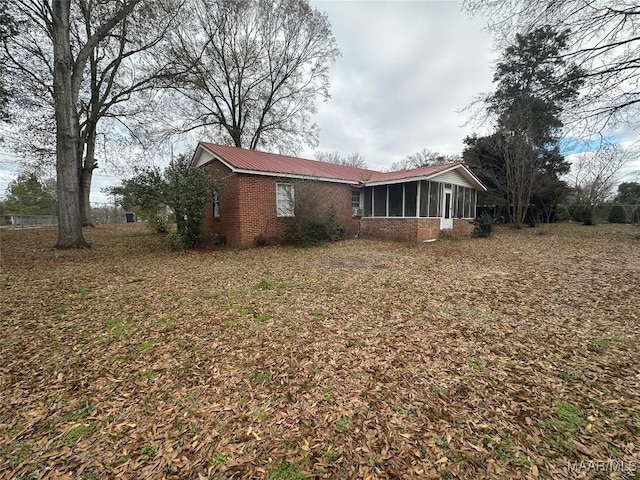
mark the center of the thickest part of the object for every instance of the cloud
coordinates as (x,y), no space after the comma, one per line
(407,69)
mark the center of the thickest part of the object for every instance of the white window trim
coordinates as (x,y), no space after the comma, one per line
(289,210)
(216,204)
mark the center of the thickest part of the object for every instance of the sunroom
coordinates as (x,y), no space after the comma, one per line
(419,209)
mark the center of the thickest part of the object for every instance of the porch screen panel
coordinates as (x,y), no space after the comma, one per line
(424,198)
(379,201)
(410,199)
(434,199)
(460,201)
(467,203)
(395,200)
(368,208)
(474,201)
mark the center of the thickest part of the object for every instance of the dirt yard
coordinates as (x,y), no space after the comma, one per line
(516,356)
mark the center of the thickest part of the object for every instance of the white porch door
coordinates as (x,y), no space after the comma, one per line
(445,221)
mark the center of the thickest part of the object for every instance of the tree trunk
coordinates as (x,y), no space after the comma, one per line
(67,158)
(85,190)
(87,175)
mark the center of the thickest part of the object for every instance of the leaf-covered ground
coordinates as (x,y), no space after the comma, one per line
(508,357)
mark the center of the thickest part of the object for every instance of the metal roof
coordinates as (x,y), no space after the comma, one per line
(257,162)
(252,161)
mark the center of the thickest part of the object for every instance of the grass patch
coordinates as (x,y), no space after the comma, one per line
(77,433)
(285,471)
(402,409)
(242,310)
(435,388)
(113,322)
(16,453)
(149,451)
(560,429)
(149,374)
(117,327)
(373,460)
(261,414)
(441,442)
(85,409)
(217,459)
(343,425)
(145,347)
(476,365)
(261,378)
(568,416)
(263,284)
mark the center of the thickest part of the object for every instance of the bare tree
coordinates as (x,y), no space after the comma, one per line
(7,31)
(354,159)
(116,69)
(603,41)
(259,67)
(423,158)
(594,174)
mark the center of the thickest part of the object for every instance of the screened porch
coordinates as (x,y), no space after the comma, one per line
(416,199)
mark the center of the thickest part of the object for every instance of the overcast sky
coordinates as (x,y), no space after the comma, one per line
(407,70)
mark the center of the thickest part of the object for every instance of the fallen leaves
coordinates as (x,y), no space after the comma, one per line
(498,358)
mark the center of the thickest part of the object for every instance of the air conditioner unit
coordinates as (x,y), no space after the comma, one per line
(357,212)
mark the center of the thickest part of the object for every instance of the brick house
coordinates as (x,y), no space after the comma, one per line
(260,191)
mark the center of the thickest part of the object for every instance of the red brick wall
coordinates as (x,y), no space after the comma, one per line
(428,229)
(400,229)
(396,229)
(228,224)
(462,227)
(248,207)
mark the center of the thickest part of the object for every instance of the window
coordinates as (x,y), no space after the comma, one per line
(395,200)
(285,204)
(216,204)
(424,198)
(356,202)
(459,193)
(467,203)
(410,199)
(434,199)
(368,208)
(379,201)
(474,203)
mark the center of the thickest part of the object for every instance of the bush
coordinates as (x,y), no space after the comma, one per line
(576,213)
(175,242)
(484,225)
(617,214)
(562,214)
(306,231)
(636,216)
(587,215)
(181,187)
(160,224)
(335,231)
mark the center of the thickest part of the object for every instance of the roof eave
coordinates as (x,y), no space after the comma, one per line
(470,174)
(296,176)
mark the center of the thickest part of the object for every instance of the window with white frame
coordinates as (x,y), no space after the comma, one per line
(216,204)
(356,198)
(356,202)
(285,202)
